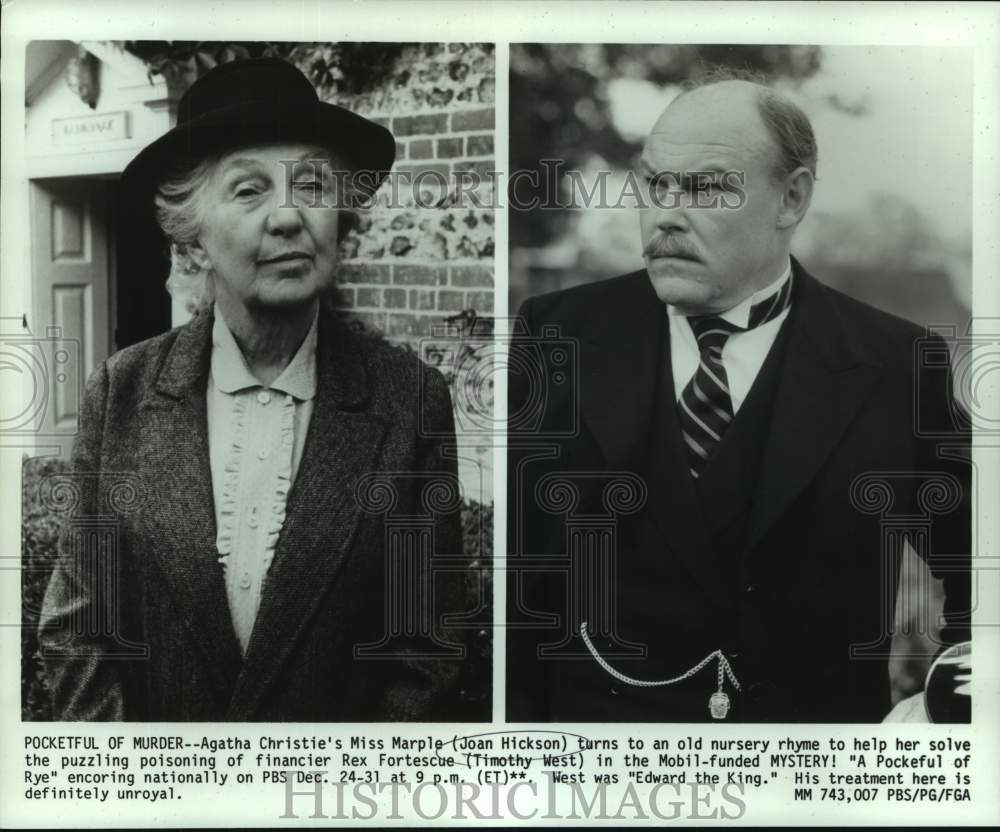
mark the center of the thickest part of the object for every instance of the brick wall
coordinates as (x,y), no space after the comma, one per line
(422,254)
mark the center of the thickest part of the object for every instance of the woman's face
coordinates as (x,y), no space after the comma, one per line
(268,226)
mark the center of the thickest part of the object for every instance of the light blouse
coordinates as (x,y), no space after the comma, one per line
(255,439)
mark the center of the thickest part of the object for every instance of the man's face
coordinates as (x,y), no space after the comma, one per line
(706,247)
(267,231)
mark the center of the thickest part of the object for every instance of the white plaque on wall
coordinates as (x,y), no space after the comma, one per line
(99,127)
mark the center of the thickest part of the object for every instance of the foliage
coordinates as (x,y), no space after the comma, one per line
(333,68)
(561,110)
(39,533)
(476,677)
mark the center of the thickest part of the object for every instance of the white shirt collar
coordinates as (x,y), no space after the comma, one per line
(231,374)
(740,314)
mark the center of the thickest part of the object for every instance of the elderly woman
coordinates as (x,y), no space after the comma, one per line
(251,573)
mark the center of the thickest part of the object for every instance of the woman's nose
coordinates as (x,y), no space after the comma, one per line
(284,219)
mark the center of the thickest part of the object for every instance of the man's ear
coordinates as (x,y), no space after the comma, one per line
(796,194)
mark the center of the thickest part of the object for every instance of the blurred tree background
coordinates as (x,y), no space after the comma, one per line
(562,104)
(885,118)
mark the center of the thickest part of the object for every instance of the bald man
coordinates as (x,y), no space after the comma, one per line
(694,532)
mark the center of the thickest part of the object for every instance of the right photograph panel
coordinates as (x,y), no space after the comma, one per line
(738,471)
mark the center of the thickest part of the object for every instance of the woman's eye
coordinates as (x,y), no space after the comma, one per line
(309,186)
(248,190)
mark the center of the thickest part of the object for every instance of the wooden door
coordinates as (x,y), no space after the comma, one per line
(71,280)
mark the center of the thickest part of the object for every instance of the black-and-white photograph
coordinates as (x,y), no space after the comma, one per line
(262,505)
(739,469)
(473,413)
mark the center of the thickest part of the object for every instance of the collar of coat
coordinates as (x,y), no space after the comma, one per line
(340,365)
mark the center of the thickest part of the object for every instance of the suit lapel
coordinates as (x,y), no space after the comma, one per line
(627,379)
(823,384)
(342,443)
(181,514)
(619,360)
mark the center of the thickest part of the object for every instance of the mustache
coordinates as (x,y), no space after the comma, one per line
(670,247)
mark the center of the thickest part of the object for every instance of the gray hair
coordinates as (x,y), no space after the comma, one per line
(788,125)
(179,201)
(179,205)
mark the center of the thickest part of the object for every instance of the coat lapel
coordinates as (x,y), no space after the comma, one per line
(823,384)
(619,360)
(342,443)
(181,514)
(627,379)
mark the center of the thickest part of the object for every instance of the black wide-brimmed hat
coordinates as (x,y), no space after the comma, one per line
(251,101)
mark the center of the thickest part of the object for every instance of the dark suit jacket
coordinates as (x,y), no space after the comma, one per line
(788,563)
(138,628)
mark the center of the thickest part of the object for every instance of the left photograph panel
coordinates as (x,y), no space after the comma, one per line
(257,482)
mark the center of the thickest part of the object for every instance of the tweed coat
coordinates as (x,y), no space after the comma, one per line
(136,624)
(784,556)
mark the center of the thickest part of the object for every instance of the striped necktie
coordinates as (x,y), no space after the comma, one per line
(706,408)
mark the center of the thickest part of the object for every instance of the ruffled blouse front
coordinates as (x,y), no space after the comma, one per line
(256,436)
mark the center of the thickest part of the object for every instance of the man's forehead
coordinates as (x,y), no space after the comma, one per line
(707,122)
(661,151)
